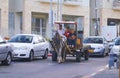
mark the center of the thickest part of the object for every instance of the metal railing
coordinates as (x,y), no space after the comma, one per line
(116,4)
(72,0)
(54,1)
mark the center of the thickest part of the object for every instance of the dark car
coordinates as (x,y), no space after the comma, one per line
(5,52)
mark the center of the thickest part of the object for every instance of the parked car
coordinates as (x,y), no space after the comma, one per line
(99,45)
(5,52)
(29,46)
(116,47)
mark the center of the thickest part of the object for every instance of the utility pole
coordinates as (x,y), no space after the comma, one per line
(97,21)
(51,18)
(59,10)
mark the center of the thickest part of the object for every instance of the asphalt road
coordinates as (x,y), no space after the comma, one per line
(39,68)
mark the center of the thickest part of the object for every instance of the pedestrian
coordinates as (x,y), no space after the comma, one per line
(72,38)
(67,34)
(61,31)
(111,60)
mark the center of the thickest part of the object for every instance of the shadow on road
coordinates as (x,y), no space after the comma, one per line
(26,60)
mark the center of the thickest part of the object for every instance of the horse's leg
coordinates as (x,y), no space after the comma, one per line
(63,54)
(59,53)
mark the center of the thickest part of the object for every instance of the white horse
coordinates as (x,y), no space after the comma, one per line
(59,46)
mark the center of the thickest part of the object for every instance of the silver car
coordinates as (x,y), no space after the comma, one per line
(99,45)
(5,52)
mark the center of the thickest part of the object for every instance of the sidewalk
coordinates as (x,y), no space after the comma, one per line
(108,73)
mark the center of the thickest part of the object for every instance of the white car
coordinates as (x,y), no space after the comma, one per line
(29,46)
(98,45)
(6,52)
(116,47)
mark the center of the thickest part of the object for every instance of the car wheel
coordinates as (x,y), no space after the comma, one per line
(78,57)
(45,55)
(104,54)
(86,55)
(31,56)
(8,60)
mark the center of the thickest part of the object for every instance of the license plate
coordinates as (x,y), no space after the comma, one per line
(91,51)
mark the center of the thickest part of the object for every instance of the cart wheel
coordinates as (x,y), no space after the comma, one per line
(54,56)
(78,56)
(86,55)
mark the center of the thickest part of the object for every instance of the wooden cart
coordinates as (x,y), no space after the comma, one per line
(60,48)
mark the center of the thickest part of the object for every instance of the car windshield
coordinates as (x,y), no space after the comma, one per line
(117,42)
(94,40)
(21,39)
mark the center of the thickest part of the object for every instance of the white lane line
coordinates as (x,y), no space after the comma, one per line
(51,64)
(93,74)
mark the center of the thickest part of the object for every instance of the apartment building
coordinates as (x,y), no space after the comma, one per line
(104,13)
(32,16)
(4,18)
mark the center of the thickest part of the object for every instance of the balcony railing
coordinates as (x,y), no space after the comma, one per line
(72,2)
(47,1)
(66,2)
(116,4)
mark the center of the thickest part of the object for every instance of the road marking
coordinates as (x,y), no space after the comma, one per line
(93,74)
(51,64)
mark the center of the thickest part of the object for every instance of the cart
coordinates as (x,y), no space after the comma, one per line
(61,49)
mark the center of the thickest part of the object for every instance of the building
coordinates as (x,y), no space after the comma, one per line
(4,18)
(32,16)
(103,13)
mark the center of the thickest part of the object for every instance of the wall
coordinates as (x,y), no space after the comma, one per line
(42,7)
(4,18)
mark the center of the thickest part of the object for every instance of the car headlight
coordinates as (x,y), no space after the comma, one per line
(21,48)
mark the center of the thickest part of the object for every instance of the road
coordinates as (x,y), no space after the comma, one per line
(40,68)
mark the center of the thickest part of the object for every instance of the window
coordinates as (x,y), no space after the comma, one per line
(38,26)
(41,39)
(21,39)
(94,40)
(11,24)
(36,40)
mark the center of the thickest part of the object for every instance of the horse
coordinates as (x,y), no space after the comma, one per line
(59,47)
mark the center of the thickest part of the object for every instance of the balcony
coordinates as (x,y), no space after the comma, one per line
(116,4)
(66,2)
(72,2)
(47,1)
